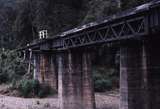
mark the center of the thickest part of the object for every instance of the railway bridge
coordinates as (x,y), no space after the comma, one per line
(64,61)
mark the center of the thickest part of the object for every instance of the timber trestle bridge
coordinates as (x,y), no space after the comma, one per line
(64,61)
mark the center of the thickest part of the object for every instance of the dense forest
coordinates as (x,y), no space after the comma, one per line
(21,20)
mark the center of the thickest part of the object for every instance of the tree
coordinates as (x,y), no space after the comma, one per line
(101,9)
(11,66)
(125,4)
(7,17)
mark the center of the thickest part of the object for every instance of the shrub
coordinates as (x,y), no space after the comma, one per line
(11,66)
(3,78)
(102,85)
(29,88)
(36,86)
(41,94)
(45,91)
(104,79)
(13,85)
(25,87)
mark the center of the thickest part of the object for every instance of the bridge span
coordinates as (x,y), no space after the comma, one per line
(64,61)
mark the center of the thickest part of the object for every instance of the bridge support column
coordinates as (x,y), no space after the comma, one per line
(47,73)
(132,82)
(36,63)
(75,81)
(153,73)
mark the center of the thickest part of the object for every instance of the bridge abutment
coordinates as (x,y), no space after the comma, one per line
(75,81)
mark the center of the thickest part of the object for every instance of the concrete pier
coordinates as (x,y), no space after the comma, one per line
(45,69)
(132,90)
(75,81)
(140,75)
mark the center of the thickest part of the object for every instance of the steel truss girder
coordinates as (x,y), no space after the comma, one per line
(111,32)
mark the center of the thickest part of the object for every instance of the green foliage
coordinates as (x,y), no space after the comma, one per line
(104,79)
(26,87)
(100,9)
(45,90)
(30,88)
(8,15)
(13,84)
(3,78)
(11,66)
(102,85)
(36,86)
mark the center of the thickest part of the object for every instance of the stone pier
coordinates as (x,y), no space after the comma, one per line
(36,63)
(153,73)
(45,69)
(75,80)
(131,77)
(140,75)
